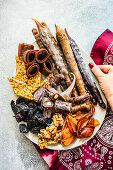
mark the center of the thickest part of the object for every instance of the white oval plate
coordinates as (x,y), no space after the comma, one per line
(99,114)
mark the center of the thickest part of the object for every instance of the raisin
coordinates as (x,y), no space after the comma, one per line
(23,108)
(36,115)
(30,124)
(26,118)
(20,100)
(19,117)
(23,128)
(15,109)
(33,105)
(41,120)
(48,121)
(40,107)
(30,113)
(35,129)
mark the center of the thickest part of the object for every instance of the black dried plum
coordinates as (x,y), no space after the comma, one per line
(35,129)
(36,115)
(42,126)
(20,100)
(40,107)
(26,118)
(30,113)
(33,105)
(32,123)
(23,108)
(41,119)
(19,117)
(48,121)
(15,109)
(23,128)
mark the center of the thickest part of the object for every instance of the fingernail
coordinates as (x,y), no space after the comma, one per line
(91,65)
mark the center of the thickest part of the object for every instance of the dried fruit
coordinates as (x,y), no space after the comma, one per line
(22,108)
(41,119)
(23,128)
(48,121)
(20,100)
(31,113)
(14,107)
(33,105)
(19,117)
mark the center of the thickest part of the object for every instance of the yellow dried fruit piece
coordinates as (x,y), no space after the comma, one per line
(34,82)
(21,73)
(18,62)
(20,88)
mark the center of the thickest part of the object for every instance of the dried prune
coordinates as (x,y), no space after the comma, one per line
(35,129)
(20,100)
(23,128)
(30,113)
(41,119)
(15,109)
(33,105)
(48,121)
(23,108)
(42,126)
(26,118)
(19,117)
(36,115)
(31,123)
(40,107)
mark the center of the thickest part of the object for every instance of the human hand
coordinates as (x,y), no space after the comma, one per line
(104,74)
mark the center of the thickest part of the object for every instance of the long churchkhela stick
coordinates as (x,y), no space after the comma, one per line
(88,79)
(61,53)
(48,41)
(63,84)
(40,44)
(64,42)
(37,38)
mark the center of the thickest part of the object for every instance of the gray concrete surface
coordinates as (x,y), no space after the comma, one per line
(85,20)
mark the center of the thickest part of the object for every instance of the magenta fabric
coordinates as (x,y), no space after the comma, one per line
(102,51)
(97,153)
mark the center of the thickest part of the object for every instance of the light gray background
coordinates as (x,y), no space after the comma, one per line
(85,21)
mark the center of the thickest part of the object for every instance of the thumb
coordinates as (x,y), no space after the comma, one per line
(96,70)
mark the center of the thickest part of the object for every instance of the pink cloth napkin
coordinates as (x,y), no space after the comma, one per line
(98,152)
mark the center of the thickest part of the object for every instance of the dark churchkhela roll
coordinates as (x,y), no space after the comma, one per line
(32,70)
